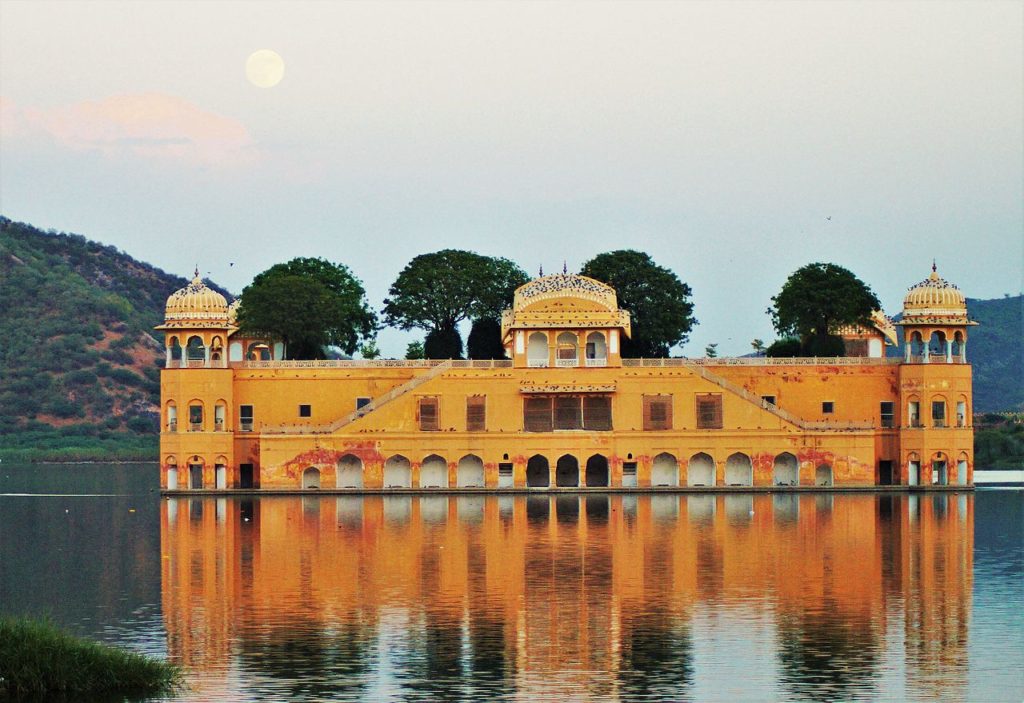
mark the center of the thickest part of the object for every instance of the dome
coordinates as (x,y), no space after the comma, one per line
(565,285)
(934,297)
(196,304)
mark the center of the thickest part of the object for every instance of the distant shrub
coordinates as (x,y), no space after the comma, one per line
(63,408)
(116,356)
(81,377)
(129,378)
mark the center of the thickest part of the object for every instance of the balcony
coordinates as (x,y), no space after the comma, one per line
(537,363)
(597,362)
(567,362)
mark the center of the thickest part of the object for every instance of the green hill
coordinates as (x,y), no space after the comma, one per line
(79,363)
(995,348)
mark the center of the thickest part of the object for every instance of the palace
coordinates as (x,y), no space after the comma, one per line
(565,410)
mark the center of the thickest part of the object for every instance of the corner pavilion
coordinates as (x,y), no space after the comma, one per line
(565,410)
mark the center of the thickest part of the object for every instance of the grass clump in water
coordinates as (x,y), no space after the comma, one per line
(38,659)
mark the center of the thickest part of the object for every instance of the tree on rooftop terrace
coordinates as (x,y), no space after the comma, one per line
(816,300)
(307,304)
(658,302)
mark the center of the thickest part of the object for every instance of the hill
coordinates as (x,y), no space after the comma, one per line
(996,350)
(79,362)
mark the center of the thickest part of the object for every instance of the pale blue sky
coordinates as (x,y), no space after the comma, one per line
(718,137)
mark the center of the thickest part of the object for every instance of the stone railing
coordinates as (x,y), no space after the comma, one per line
(767,361)
(375,364)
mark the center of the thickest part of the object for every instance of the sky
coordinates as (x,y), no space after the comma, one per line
(734,142)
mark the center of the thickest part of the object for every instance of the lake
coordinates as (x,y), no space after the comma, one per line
(810,596)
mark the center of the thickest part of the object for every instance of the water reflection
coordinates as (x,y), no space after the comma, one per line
(591,597)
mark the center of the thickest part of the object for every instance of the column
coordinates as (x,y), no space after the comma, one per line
(949,351)
(167,364)
(206,356)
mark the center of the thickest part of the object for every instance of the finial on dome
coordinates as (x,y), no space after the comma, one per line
(934,267)
(541,274)
(565,267)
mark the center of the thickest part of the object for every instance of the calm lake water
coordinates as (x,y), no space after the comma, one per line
(706,598)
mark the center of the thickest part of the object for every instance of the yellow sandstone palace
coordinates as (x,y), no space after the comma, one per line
(565,410)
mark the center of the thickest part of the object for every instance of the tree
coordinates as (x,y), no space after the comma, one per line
(307,304)
(816,300)
(444,343)
(659,303)
(788,346)
(414,350)
(758,346)
(711,350)
(485,340)
(369,349)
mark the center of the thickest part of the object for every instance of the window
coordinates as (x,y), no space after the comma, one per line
(961,413)
(629,468)
(939,413)
(547,413)
(305,411)
(505,469)
(769,399)
(537,414)
(428,415)
(597,412)
(245,418)
(827,407)
(914,413)
(476,413)
(567,413)
(709,411)
(886,409)
(195,418)
(657,412)
(361,402)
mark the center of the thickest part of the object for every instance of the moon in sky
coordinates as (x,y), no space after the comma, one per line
(264,68)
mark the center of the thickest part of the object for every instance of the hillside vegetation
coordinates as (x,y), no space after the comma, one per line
(995,350)
(79,362)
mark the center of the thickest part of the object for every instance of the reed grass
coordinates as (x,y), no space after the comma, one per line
(37,659)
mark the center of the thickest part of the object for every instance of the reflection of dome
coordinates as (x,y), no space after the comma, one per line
(565,285)
(196,303)
(934,297)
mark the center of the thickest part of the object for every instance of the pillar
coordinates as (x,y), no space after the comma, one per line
(949,350)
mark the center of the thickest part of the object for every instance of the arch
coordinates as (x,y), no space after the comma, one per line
(739,470)
(940,469)
(196,415)
(538,473)
(700,470)
(195,350)
(567,471)
(311,478)
(171,416)
(172,473)
(963,409)
(596,349)
(537,350)
(216,348)
(195,474)
(258,351)
(220,472)
(958,345)
(915,345)
(174,348)
(937,344)
(220,412)
(961,469)
(434,472)
(470,472)
(913,469)
(823,475)
(938,410)
(235,351)
(786,470)
(567,349)
(350,472)
(665,470)
(397,472)
(597,475)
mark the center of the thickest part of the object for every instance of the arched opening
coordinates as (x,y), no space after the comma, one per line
(915,346)
(739,470)
(939,412)
(597,349)
(538,472)
(172,473)
(258,351)
(350,472)
(195,416)
(311,478)
(961,412)
(470,472)
(700,470)
(786,471)
(174,351)
(195,476)
(195,350)
(220,473)
(961,469)
(567,471)
(216,349)
(434,472)
(219,416)
(958,346)
(937,346)
(823,475)
(913,469)
(397,472)
(567,352)
(665,470)
(537,350)
(597,471)
(235,351)
(940,470)
(172,416)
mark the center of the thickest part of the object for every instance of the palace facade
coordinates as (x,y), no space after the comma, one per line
(565,409)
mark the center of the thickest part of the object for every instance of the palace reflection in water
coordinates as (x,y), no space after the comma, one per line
(814,596)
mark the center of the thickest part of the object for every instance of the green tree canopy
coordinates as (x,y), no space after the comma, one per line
(443,343)
(437,291)
(816,300)
(659,303)
(485,340)
(307,304)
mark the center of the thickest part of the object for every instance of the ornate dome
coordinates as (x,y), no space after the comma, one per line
(196,305)
(934,297)
(565,285)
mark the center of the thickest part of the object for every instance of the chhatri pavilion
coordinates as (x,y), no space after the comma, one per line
(565,410)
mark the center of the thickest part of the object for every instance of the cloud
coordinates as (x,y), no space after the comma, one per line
(151,125)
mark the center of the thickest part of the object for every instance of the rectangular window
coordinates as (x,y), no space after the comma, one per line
(305,411)
(505,469)
(657,412)
(886,409)
(768,399)
(961,414)
(827,407)
(428,415)
(361,402)
(914,413)
(629,468)
(476,413)
(567,413)
(939,413)
(709,411)
(195,418)
(245,418)
(597,412)
(537,414)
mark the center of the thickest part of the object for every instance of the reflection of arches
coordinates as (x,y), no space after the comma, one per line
(537,350)
(537,472)
(311,477)
(434,472)
(739,471)
(786,470)
(397,472)
(172,473)
(597,471)
(567,353)
(470,472)
(700,470)
(350,472)
(665,470)
(567,471)
(823,475)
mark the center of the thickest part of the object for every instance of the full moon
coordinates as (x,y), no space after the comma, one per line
(264,68)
